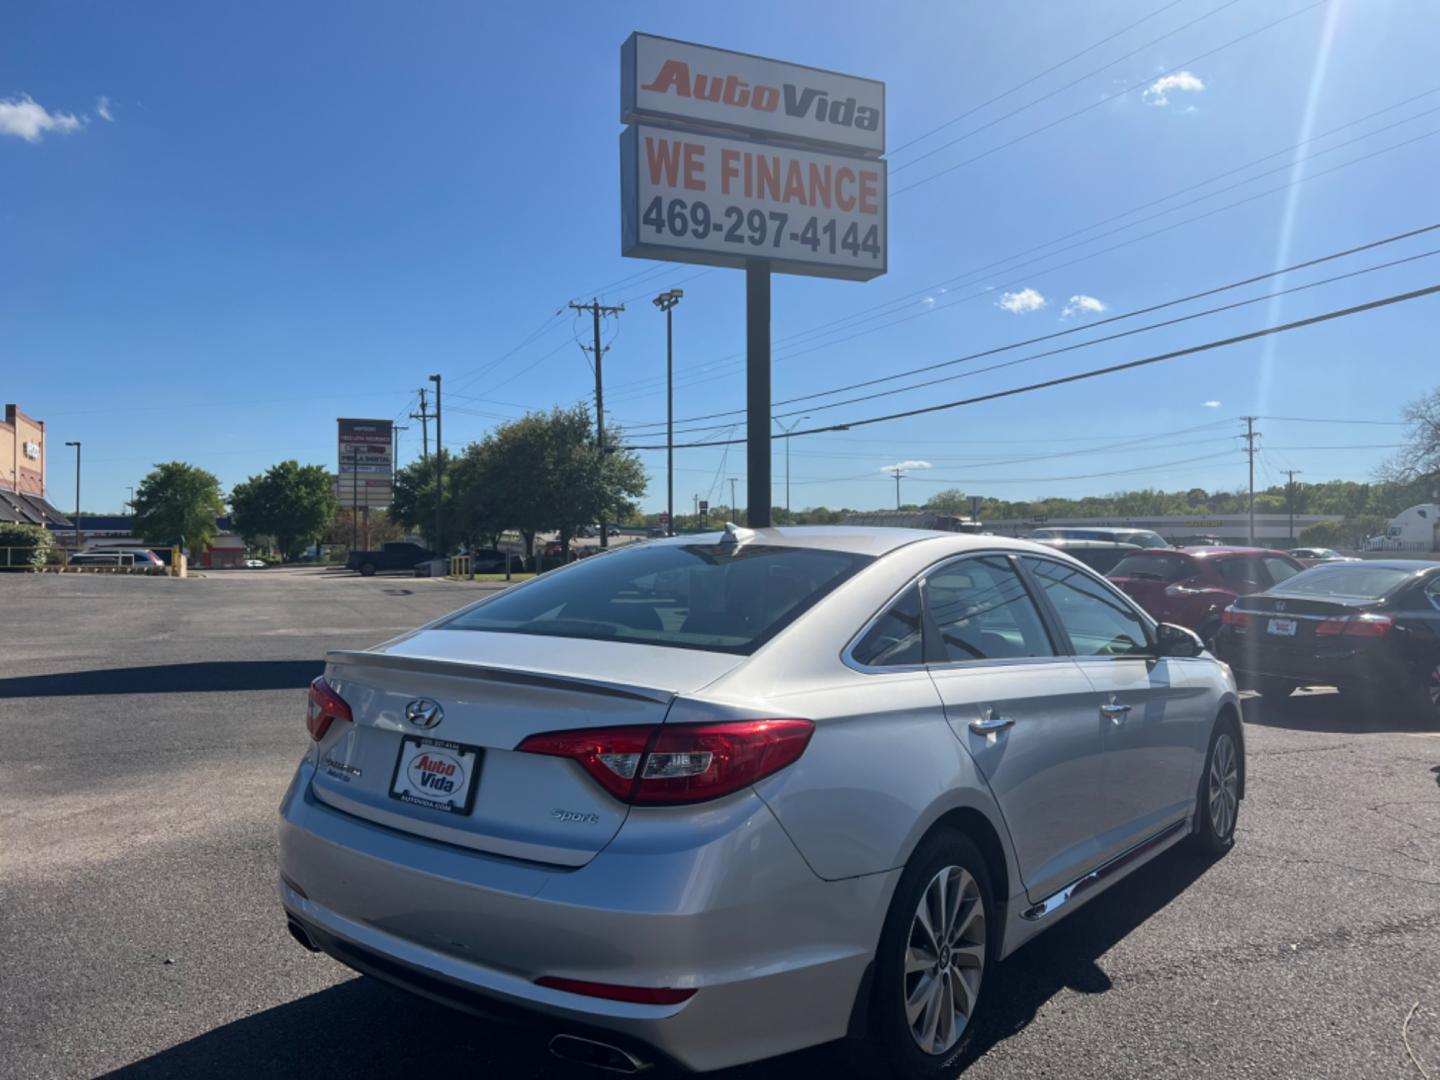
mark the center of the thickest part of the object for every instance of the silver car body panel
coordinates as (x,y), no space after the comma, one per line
(769,902)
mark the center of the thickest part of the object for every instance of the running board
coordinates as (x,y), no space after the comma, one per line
(1052,904)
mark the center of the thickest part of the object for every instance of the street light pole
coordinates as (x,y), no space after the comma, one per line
(666,301)
(76,444)
(787,431)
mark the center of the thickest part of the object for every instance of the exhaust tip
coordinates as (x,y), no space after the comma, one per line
(298,933)
(597,1055)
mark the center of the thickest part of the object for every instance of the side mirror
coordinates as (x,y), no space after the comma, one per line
(1178,641)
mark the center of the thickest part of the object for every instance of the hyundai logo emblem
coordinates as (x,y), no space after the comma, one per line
(424,713)
(1279,605)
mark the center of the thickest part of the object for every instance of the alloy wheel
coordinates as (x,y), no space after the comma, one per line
(1224,785)
(944,960)
(1434,689)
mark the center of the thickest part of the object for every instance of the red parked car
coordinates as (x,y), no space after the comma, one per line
(1192,586)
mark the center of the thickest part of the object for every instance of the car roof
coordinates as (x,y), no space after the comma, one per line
(873,540)
(1212,550)
(1069,543)
(1416,565)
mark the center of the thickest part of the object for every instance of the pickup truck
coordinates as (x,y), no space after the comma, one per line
(399,555)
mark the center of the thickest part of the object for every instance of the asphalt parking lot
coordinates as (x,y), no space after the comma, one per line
(149,726)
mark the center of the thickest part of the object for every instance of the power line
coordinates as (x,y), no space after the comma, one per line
(1329,420)
(1108,98)
(1098,323)
(1072,83)
(1340,313)
(1050,70)
(959,282)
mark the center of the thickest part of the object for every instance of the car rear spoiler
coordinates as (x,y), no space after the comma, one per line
(490,673)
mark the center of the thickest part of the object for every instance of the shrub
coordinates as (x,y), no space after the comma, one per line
(24,546)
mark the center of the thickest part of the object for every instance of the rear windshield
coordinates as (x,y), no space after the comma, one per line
(1152,567)
(693,596)
(1348,580)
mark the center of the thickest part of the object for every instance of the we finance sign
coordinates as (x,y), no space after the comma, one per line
(664,81)
(725,202)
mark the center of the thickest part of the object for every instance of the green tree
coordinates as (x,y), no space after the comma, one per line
(294,503)
(178,502)
(413,500)
(23,545)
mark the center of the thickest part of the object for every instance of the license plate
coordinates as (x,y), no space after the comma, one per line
(436,774)
(1282,627)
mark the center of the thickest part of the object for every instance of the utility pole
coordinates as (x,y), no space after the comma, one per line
(732,499)
(794,424)
(395,449)
(697,510)
(77,492)
(130,502)
(665,302)
(1290,499)
(1250,437)
(439,472)
(898,473)
(597,310)
(424,417)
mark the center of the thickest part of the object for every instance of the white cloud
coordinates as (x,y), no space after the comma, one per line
(1082,305)
(25,118)
(905,466)
(1018,303)
(1210,404)
(929,301)
(102,109)
(1159,91)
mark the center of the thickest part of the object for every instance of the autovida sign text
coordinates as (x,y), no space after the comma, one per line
(730,158)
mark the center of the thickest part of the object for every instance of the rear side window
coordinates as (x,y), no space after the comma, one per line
(1153,567)
(982,611)
(898,636)
(1279,569)
(1241,571)
(1101,560)
(717,597)
(1098,622)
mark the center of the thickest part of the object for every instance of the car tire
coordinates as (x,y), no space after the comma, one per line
(944,864)
(1217,800)
(367,569)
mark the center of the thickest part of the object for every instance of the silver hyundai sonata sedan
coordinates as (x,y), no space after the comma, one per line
(719,797)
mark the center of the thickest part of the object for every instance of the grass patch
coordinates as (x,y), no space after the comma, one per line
(517,576)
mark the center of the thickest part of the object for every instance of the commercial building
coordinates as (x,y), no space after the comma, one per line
(22,472)
(99,532)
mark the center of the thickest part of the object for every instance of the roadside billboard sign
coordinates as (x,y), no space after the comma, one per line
(366,456)
(725,202)
(667,81)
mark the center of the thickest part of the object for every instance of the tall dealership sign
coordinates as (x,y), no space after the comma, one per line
(735,160)
(367,455)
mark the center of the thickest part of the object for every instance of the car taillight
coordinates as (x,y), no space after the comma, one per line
(1231,617)
(1367,625)
(324,707)
(678,763)
(640,995)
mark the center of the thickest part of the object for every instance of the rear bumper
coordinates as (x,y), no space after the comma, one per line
(717,900)
(1338,663)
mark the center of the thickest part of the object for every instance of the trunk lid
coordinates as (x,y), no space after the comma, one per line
(493,690)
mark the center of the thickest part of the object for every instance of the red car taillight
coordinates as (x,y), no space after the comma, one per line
(1231,617)
(325,706)
(678,763)
(1367,625)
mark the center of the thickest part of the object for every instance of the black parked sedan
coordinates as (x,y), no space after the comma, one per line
(1368,627)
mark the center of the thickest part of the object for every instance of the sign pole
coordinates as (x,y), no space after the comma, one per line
(757,393)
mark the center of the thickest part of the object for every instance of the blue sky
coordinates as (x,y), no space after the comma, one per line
(221,227)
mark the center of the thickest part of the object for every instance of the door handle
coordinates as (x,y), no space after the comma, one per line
(990,723)
(1116,711)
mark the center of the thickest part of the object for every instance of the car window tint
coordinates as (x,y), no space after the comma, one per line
(897,636)
(982,611)
(1279,569)
(720,597)
(1351,580)
(1432,590)
(1241,571)
(1099,622)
